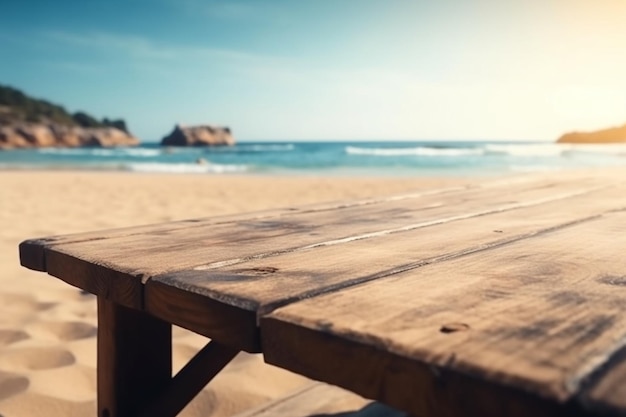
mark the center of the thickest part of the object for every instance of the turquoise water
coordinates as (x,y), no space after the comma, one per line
(419,158)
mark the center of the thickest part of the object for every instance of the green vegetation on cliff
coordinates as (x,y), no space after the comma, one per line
(15,106)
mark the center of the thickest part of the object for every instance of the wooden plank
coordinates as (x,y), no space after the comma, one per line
(144,255)
(524,324)
(377,374)
(317,399)
(32,251)
(134,358)
(196,299)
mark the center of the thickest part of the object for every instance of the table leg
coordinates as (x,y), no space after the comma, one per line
(134,358)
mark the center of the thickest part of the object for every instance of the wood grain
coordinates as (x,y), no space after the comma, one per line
(534,318)
(134,359)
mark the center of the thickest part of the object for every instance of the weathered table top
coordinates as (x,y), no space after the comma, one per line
(502,298)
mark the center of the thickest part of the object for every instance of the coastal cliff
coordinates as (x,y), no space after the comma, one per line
(205,135)
(27,122)
(611,135)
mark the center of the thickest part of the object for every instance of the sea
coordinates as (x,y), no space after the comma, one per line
(334,158)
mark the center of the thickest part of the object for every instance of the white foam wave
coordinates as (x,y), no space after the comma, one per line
(141,152)
(539,150)
(416,151)
(183,168)
(102,152)
(267,148)
(64,151)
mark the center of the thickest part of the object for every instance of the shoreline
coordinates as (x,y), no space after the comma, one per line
(306,174)
(341,172)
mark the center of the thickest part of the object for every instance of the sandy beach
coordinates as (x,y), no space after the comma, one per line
(48,328)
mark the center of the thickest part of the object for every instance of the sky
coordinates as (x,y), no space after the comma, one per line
(326,69)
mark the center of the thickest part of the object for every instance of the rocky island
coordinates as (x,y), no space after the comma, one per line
(204,135)
(611,135)
(26,122)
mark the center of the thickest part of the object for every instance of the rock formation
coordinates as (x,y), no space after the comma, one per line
(612,135)
(27,122)
(36,135)
(199,136)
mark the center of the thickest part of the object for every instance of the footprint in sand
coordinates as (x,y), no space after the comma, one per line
(18,302)
(10,336)
(35,359)
(20,307)
(11,384)
(66,331)
(35,404)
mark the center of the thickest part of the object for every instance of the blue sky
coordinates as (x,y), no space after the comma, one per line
(327,69)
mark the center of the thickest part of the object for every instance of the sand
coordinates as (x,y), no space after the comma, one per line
(48,328)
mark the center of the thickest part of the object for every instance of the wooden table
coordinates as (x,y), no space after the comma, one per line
(504,298)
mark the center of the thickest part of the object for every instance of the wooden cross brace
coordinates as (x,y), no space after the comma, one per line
(135,365)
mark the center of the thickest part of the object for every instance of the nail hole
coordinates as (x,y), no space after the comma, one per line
(454,327)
